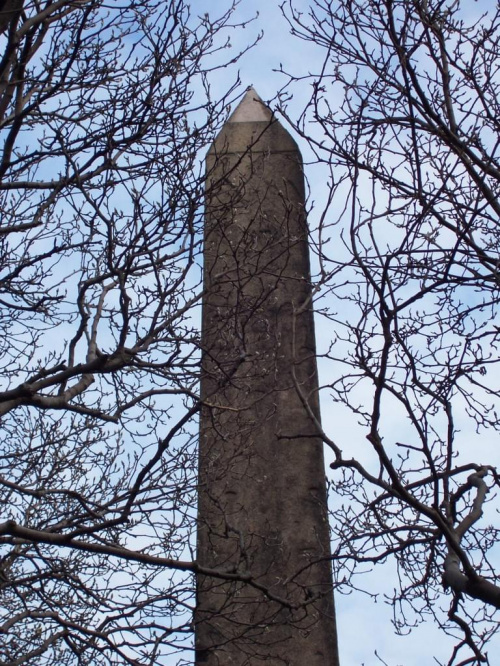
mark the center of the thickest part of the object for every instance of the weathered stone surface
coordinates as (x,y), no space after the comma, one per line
(262,498)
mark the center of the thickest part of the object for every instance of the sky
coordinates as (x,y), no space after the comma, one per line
(365,629)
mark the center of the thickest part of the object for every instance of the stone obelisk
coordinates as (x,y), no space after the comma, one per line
(262,516)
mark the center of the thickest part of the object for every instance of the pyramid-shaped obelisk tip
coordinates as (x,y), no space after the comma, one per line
(251,109)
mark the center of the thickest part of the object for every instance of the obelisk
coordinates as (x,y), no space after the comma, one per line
(262,515)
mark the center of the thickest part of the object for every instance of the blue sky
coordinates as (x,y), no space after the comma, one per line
(364,622)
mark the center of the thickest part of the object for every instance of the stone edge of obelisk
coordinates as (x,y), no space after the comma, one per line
(252,128)
(251,109)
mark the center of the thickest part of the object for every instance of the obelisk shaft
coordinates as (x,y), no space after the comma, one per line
(262,496)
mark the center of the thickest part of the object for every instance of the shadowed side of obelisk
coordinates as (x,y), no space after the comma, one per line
(262,494)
